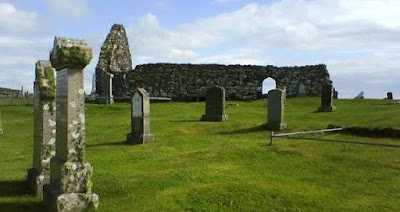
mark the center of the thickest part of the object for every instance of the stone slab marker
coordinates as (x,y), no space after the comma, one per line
(215,105)
(389,95)
(70,175)
(276,108)
(1,127)
(140,118)
(106,93)
(327,99)
(44,127)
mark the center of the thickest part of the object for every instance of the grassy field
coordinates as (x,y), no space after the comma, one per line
(205,166)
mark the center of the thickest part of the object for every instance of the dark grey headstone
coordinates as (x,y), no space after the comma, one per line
(215,105)
(389,95)
(276,108)
(327,99)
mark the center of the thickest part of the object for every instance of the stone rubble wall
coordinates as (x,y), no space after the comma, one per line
(242,82)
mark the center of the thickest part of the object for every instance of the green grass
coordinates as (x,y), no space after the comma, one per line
(205,166)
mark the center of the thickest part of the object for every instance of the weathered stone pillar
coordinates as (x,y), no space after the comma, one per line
(140,118)
(276,108)
(327,99)
(389,95)
(70,175)
(44,127)
(215,105)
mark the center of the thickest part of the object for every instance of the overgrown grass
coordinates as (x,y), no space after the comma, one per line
(206,166)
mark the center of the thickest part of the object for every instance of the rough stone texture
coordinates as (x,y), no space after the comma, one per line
(44,126)
(276,108)
(115,58)
(360,95)
(187,81)
(70,53)
(327,99)
(140,118)
(105,95)
(70,174)
(389,95)
(302,90)
(10,93)
(215,105)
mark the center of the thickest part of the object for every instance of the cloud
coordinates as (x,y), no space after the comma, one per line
(74,8)
(16,21)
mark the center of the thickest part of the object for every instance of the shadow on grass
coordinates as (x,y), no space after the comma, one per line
(258,128)
(115,143)
(30,206)
(14,188)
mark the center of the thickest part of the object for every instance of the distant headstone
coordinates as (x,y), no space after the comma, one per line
(1,128)
(70,187)
(140,118)
(215,105)
(302,90)
(276,107)
(106,92)
(389,95)
(44,121)
(327,99)
(335,93)
(360,95)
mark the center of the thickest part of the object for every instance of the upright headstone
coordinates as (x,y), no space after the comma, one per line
(389,95)
(140,118)
(106,93)
(302,90)
(1,127)
(70,187)
(360,95)
(276,108)
(115,58)
(327,99)
(44,127)
(215,105)
(335,93)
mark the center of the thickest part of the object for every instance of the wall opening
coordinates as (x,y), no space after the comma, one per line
(267,85)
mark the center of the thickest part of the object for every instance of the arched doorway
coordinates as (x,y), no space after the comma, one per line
(267,85)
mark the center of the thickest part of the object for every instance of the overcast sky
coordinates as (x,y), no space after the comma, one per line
(358,40)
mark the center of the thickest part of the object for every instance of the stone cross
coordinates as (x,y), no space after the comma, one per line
(44,125)
(140,118)
(389,95)
(327,99)
(70,187)
(215,105)
(276,107)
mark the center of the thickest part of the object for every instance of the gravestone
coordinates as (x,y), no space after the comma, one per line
(389,95)
(215,105)
(360,95)
(44,127)
(106,93)
(70,187)
(276,108)
(335,93)
(302,90)
(140,118)
(327,99)
(1,127)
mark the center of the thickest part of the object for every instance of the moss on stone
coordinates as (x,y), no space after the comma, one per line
(70,53)
(45,80)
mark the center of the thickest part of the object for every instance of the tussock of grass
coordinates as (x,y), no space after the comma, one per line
(207,166)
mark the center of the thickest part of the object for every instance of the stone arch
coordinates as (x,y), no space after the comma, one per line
(268,84)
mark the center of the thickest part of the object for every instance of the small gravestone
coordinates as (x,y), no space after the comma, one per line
(1,128)
(335,93)
(70,187)
(215,105)
(302,90)
(106,88)
(389,95)
(360,95)
(276,107)
(140,118)
(327,99)
(44,121)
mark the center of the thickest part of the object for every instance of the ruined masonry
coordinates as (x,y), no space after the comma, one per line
(276,108)
(70,187)
(115,60)
(215,105)
(327,99)
(44,129)
(140,118)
